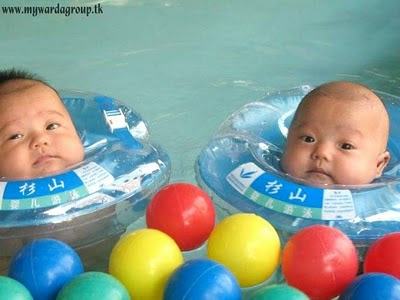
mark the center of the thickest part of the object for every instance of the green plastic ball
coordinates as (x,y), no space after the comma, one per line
(278,292)
(93,286)
(11,289)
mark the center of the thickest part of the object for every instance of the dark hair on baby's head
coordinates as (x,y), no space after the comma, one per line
(15,74)
(8,75)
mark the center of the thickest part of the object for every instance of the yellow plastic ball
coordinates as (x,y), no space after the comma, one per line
(247,245)
(143,261)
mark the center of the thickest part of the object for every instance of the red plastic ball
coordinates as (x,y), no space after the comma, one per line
(383,256)
(184,212)
(320,261)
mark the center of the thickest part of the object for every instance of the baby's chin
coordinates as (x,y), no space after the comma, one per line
(48,170)
(44,170)
(316,178)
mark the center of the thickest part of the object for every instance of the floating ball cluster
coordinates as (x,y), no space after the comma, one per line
(243,250)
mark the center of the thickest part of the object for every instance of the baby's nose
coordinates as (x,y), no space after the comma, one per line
(321,151)
(40,140)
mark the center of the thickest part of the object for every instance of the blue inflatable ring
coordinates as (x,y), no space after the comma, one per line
(240,166)
(96,199)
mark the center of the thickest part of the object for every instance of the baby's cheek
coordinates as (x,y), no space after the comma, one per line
(78,153)
(285,164)
(15,168)
(294,167)
(356,172)
(71,149)
(298,161)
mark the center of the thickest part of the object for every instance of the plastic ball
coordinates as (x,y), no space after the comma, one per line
(11,289)
(373,286)
(93,286)
(320,261)
(44,266)
(143,261)
(383,256)
(184,212)
(247,245)
(278,292)
(202,279)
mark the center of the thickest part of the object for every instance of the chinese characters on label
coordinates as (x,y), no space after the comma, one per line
(273,187)
(284,196)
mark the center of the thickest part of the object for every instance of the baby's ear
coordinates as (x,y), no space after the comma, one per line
(383,160)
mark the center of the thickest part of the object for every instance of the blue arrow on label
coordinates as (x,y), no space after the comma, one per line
(246,175)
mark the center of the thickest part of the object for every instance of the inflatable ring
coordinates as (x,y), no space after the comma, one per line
(240,166)
(97,199)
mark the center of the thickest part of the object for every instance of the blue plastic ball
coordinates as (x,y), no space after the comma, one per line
(372,286)
(200,279)
(44,266)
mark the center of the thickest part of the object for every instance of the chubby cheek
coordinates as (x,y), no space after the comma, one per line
(294,162)
(355,172)
(71,150)
(15,164)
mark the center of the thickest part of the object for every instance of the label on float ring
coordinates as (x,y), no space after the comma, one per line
(54,190)
(291,198)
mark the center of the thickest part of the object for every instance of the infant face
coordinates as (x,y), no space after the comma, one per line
(37,136)
(337,142)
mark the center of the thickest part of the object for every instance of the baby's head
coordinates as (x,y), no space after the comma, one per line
(338,135)
(37,136)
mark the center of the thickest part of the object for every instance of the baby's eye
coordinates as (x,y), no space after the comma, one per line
(346,146)
(15,136)
(308,139)
(52,126)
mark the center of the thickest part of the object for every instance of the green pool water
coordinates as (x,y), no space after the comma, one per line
(186,65)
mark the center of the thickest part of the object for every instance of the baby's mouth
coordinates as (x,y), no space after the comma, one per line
(319,175)
(42,159)
(318,171)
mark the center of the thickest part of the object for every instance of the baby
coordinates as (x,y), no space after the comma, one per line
(37,136)
(338,135)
